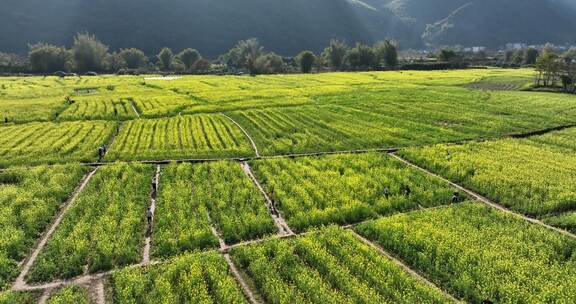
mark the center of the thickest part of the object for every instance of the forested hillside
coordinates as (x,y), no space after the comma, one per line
(285,26)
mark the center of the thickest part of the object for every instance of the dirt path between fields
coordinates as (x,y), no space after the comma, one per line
(402,265)
(245,288)
(483,199)
(153,194)
(45,296)
(21,279)
(283,228)
(134,108)
(252,142)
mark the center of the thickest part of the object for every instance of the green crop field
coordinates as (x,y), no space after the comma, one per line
(368,187)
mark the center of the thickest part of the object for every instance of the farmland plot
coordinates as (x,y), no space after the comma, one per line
(479,253)
(534,176)
(346,189)
(18,297)
(198,136)
(68,295)
(191,194)
(329,266)
(32,109)
(29,198)
(105,227)
(99,107)
(35,143)
(194,278)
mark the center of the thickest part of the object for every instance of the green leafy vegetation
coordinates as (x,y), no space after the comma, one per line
(329,266)
(346,189)
(104,229)
(191,194)
(478,253)
(533,175)
(29,199)
(193,278)
(71,294)
(199,136)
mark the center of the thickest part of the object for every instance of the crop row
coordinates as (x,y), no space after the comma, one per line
(478,253)
(104,228)
(69,295)
(198,136)
(534,175)
(329,266)
(52,142)
(191,194)
(193,278)
(29,198)
(97,107)
(344,189)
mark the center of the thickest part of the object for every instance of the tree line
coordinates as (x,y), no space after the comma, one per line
(89,55)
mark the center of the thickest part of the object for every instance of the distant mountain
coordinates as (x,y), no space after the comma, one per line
(285,26)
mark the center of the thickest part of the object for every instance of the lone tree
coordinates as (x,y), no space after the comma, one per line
(387,53)
(47,58)
(134,58)
(335,53)
(306,61)
(530,56)
(88,52)
(165,58)
(361,57)
(447,55)
(548,66)
(189,57)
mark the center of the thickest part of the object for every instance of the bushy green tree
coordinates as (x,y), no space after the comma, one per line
(244,55)
(387,53)
(361,56)
(165,57)
(530,56)
(306,61)
(88,52)
(134,58)
(114,62)
(47,58)
(447,55)
(188,57)
(270,63)
(335,53)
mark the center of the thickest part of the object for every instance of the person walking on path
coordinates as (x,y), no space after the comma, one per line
(149,216)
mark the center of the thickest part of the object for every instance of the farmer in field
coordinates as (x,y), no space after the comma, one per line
(407,191)
(5,119)
(149,218)
(101,151)
(455,197)
(115,112)
(154,186)
(386,192)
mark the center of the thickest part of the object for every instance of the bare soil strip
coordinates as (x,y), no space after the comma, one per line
(401,264)
(282,226)
(100,295)
(502,86)
(20,281)
(134,108)
(483,199)
(153,193)
(45,296)
(252,142)
(245,288)
(217,234)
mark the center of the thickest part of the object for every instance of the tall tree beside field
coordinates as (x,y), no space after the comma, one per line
(335,53)
(189,57)
(88,52)
(361,56)
(447,55)
(306,61)
(548,66)
(270,63)
(114,62)
(165,57)
(530,56)
(244,55)
(387,53)
(47,58)
(134,58)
